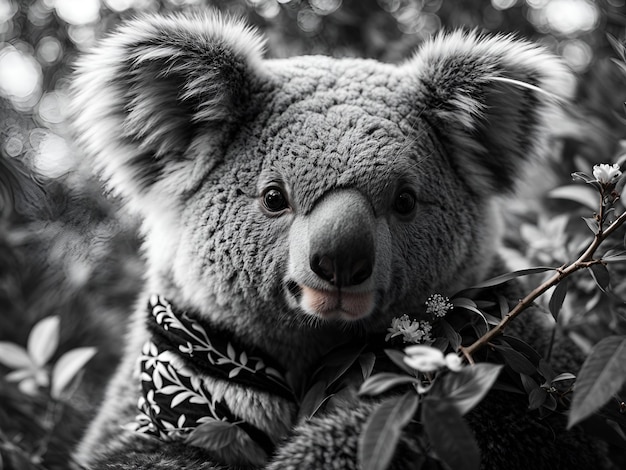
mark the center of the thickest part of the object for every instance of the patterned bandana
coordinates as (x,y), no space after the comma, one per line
(175,399)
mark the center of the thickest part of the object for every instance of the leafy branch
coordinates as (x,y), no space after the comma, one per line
(608,196)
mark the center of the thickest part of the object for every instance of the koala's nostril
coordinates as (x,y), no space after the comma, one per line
(361,271)
(324,267)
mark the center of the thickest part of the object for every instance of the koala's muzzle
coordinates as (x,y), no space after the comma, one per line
(333,257)
(341,245)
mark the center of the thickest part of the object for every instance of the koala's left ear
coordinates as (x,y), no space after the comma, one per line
(492,102)
(154,88)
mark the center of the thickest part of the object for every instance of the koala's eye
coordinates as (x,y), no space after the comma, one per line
(274,200)
(404,202)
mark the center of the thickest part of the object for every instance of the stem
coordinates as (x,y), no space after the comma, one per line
(584,261)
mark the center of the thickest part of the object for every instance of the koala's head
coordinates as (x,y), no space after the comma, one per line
(312,187)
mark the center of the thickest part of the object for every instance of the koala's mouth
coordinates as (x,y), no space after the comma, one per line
(332,304)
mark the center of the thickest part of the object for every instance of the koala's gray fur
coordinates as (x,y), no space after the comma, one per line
(185,120)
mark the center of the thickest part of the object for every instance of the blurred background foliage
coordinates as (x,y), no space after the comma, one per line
(66,250)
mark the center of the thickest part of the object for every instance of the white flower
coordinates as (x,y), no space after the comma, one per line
(429,359)
(412,331)
(438,305)
(606,173)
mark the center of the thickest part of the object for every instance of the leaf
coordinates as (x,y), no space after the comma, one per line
(451,334)
(558,297)
(43,340)
(612,258)
(312,400)
(337,363)
(580,176)
(563,376)
(495,281)
(230,352)
(602,375)
(384,381)
(601,275)
(66,368)
(213,435)
(592,223)
(366,361)
(381,433)
(466,388)
(450,435)
(397,357)
(617,46)
(515,360)
(469,304)
(536,398)
(14,356)
(580,194)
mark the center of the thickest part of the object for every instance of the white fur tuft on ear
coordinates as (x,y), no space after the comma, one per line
(148,91)
(491,100)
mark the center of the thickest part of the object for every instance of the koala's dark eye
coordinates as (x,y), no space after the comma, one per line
(404,202)
(274,200)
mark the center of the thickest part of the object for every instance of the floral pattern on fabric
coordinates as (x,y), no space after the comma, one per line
(175,399)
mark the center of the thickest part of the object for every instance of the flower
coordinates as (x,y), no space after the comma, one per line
(438,305)
(606,173)
(412,331)
(429,359)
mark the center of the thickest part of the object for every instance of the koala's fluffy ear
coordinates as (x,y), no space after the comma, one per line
(491,100)
(153,88)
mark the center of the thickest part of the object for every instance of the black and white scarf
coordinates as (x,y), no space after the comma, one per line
(182,350)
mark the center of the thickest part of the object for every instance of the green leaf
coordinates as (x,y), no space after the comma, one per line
(601,376)
(66,368)
(381,433)
(43,340)
(466,388)
(15,356)
(558,297)
(495,281)
(380,383)
(600,275)
(450,436)
(580,194)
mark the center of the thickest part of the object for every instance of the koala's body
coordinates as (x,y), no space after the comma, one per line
(293,205)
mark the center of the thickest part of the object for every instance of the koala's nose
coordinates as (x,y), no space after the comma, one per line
(341,246)
(342,271)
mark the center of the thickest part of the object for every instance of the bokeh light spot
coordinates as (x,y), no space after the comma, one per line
(20,77)
(78,12)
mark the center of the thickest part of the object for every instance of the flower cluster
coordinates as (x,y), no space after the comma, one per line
(438,305)
(605,173)
(429,359)
(412,331)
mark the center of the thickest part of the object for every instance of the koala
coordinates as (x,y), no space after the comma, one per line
(289,206)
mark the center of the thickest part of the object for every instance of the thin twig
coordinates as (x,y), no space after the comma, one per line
(584,261)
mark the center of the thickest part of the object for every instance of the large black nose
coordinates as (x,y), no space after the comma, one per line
(342,248)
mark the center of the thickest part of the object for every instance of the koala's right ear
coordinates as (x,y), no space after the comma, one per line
(157,86)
